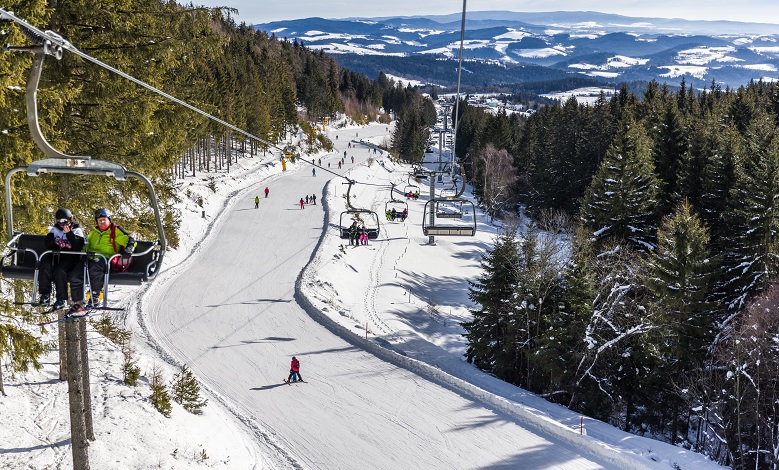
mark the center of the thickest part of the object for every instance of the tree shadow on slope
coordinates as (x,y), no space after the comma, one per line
(270,339)
(447,290)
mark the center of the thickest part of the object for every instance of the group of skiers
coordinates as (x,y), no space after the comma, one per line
(358,234)
(394,215)
(307,200)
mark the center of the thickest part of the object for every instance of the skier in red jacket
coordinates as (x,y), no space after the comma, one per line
(294,371)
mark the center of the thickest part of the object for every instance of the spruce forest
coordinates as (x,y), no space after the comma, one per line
(643,290)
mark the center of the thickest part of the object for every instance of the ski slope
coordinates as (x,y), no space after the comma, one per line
(240,309)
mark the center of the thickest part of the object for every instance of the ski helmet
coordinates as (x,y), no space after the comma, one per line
(102,212)
(63,214)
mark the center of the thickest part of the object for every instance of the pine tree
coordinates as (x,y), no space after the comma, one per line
(620,202)
(186,391)
(160,397)
(679,277)
(23,349)
(752,257)
(667,150)
(495,292)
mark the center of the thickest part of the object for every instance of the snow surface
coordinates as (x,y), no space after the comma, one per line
(376,329)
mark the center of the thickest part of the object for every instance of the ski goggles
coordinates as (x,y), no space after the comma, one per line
(63,221)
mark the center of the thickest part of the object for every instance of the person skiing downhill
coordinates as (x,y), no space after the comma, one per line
(302,203)
(266,192)
(257,202)
(294,371)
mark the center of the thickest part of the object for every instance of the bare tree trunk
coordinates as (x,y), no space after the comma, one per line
(82,331)
(78,430)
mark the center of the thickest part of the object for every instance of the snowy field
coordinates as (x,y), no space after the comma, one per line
(376,329)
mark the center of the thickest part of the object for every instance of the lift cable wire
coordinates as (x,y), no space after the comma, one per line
(457,99)
(54,44)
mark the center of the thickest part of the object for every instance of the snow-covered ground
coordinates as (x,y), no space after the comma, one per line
(376,329)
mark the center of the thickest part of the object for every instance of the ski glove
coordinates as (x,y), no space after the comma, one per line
(127,252)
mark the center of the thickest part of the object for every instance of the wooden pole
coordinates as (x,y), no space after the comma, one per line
(85,385)
(78,430)
(63,351)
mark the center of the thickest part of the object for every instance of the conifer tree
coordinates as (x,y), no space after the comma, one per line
(620,202)
(679,277)
(186,391)
(752,256)
(488,335)
(561,344)
(21,347)
(668,147)
(160,396)
(708,171)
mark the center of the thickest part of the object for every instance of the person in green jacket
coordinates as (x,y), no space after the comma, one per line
(107,239)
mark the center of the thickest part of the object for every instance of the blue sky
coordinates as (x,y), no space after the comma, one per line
(254,11)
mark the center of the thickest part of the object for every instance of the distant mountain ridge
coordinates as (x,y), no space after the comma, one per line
(605,47)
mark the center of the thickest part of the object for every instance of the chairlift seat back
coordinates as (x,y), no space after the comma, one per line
(21,263)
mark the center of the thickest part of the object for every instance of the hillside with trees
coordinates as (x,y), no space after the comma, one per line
(659,314)
(271,88)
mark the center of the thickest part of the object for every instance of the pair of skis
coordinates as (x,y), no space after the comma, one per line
(90,311)
(290,382)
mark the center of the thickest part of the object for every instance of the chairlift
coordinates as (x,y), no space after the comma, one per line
(25,251)
(419,172)
(465,227)
(400,207)
(410,189)
(368,218)
(450,209)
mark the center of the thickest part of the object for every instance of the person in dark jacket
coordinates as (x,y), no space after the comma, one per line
(353,229)
(63,268)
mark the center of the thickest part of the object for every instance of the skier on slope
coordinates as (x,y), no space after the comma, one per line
(294,371)
(302,206)
(256,202)
(266,192)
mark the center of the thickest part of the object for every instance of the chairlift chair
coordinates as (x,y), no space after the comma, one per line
(371,222)
(450,209)
(400,206)
(411,188)
(463,228)
(25,251)
(372,225)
